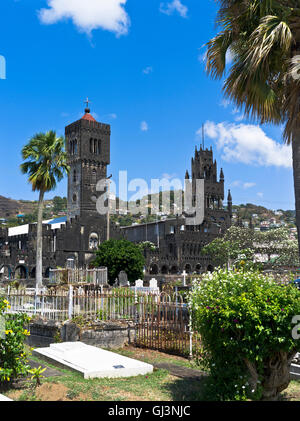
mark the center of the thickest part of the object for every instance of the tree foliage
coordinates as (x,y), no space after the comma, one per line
(245,323)
(45,162)
(118,255)
(275,247)
(13,355)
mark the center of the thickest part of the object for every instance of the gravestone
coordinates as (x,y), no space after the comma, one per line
(123,279)
(92,362)
(153,283)
(139,283)
(4,398)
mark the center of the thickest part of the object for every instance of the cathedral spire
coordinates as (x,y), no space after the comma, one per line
(221,175)
(229,203)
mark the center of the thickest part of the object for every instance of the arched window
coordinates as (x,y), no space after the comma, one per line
(70,263)
(94,177)
(165,270)
(75,146)
(74,176)
(153,269)
(91,145)
(95,146)
(99,147)
(93,241)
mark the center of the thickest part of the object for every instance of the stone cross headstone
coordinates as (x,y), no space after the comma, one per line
(184,278)
(123,279)
(153,283)
(139,283)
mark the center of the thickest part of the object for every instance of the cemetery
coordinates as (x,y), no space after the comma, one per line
(96,330)
(170,294)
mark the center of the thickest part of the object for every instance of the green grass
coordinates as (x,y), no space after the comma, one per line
(157,386)
(153,357)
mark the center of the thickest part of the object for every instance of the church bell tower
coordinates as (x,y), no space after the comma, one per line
(88,149)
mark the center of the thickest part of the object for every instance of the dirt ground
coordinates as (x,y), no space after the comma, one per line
(57,392)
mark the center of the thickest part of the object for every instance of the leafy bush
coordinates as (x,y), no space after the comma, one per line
(13,357)
(118,255)
(245,322)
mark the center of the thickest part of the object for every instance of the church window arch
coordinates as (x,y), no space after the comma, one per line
(91,145)
(93,241)
(75,147)
(74,176)
(99,147)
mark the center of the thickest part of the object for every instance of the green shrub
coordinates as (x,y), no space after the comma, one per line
(120,255)
(13,357)
(245,322)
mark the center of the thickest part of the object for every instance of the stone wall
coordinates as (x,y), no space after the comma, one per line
(111,335)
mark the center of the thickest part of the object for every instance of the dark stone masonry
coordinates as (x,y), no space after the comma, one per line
(72,241)
(111,335)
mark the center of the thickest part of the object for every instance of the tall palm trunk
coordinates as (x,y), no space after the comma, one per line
(39,244)
(296,169)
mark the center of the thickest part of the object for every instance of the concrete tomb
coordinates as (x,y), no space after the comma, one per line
(92,362)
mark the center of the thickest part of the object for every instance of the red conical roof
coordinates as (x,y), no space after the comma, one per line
(88,116)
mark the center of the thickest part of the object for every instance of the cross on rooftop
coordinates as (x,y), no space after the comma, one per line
(87,102)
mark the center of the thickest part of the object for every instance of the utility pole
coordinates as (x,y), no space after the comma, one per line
(108,207)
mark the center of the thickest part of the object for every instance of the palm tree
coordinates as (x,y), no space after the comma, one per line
(263,39)
(46,164)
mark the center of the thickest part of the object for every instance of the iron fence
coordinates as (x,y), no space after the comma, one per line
(162,321)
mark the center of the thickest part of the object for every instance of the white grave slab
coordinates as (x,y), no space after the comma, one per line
(92,362)
(4,398)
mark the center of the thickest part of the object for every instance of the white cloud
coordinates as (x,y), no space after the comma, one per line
(224,103)
(202,56)
(244,185)
(248,144)
(88,15)
(260,194)
(169,176)
(239,118)
(248,185)
(174,6)
(229,56)
(148,70)
(144,126)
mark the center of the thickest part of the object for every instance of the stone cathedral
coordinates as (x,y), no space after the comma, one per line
(71,241)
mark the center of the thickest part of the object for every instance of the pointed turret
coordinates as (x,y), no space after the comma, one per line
(221,175)
(229,203)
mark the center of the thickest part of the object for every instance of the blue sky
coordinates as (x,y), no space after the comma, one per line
(141,65)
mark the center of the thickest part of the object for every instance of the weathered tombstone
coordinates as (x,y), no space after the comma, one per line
(123,279)
(102,276)
(153,283)
(139,283)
